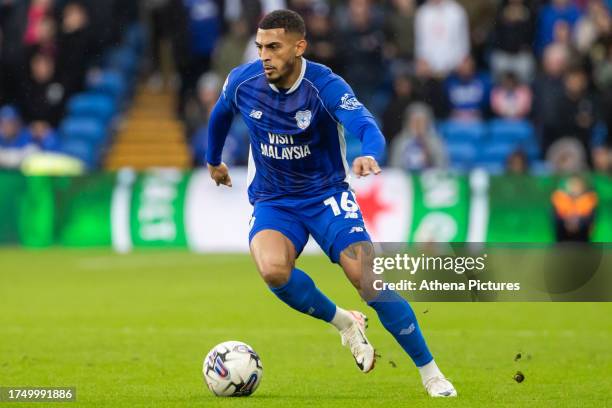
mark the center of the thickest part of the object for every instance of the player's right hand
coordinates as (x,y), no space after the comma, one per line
(220,174)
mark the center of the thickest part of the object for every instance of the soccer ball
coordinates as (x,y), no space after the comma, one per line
(232,369)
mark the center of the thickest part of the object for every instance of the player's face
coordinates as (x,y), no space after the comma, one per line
(279,51)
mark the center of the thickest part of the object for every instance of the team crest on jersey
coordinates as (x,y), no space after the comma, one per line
(303,119)
(349,102)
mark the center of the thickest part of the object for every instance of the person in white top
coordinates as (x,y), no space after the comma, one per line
(441,35)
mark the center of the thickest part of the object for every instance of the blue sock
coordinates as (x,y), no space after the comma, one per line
(398,318)
(301,294)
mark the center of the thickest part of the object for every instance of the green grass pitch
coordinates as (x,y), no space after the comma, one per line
(132,330)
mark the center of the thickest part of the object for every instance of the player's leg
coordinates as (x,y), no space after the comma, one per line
(394,312)
(276,240)
(324,219)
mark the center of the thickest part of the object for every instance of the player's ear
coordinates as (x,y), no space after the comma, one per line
(300,47)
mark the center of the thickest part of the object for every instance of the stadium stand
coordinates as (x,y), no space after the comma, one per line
(494,85)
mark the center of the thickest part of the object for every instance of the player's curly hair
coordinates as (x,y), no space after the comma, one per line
(291,21)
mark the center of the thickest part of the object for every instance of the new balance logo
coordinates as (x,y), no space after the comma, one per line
(256,114)
(407,330)
(356,229)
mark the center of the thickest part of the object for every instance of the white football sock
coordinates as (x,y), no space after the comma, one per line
(429,370)
(342,319)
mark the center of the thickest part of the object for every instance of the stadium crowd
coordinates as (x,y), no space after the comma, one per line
(508,85)
(48,50)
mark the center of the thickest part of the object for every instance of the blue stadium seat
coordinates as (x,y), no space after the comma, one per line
(508,131)
(135,38)
(496,152)
(80,149)
(110,83)
(123,60)
(92,105)
(461,154)
(84,129)
(456,131)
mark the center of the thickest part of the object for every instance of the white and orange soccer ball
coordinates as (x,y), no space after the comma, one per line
(232,369)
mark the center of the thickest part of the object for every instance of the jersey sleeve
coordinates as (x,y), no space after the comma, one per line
(340,101)
(220,122)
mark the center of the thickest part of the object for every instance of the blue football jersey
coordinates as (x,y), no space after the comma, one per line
(297,136)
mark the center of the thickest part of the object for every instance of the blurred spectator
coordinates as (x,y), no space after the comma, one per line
(13,20)
(467,92)
(418,146)
(361,52)
(430,89)
(399,29)
(550,15)
(548,88)
(562,36)
(602,72)
(602,159)
(512,40)
(574,206)
(37,14)
(481,20)
(511,99)
(159,24)
(44,136)
(393,116)
(204,23)
(517,163)
(566,156)
(602,152)
(43,97)
(75,46)
(575,110)
(198,111)
(46,37)
(15,140)
(228,54)
(591,26)
(441,35)
(306,7)
(321,43)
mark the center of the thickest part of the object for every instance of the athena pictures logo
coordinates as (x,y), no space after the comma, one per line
(349,102)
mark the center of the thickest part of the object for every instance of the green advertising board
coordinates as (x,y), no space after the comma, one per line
(170,208)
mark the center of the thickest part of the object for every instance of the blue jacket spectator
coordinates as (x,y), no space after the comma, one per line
(12,133)
(550,14)
(44,136)
(204,25)
(15,140)
(467,92)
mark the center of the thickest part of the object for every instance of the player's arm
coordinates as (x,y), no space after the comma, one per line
(340,101)
(218,127)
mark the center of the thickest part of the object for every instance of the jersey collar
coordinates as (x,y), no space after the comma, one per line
(297,83)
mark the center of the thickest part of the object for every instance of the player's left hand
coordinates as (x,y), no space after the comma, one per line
(365,165)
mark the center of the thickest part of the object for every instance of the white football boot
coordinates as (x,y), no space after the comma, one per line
(355,337)
(440,387)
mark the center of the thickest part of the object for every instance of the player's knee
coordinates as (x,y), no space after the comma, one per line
(275,269)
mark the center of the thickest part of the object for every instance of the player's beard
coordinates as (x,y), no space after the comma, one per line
(287,70)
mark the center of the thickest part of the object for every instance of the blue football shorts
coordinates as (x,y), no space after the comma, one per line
(334,220)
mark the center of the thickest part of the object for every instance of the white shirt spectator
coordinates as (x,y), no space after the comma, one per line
(441,35)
